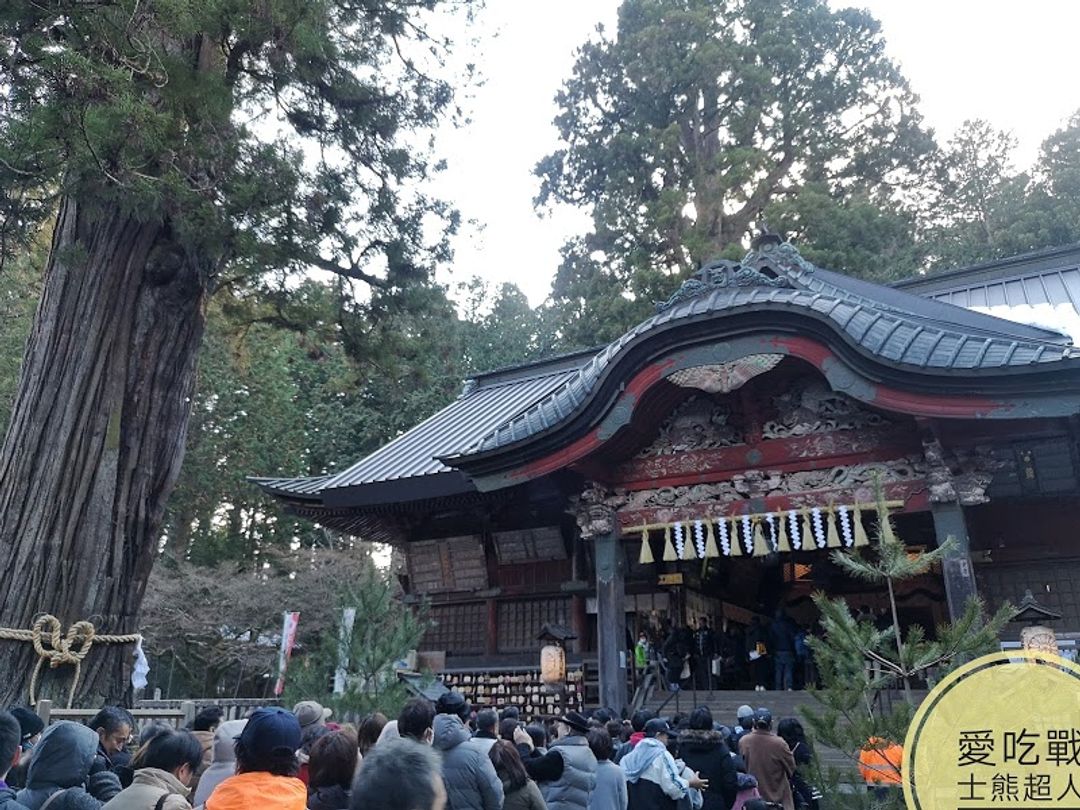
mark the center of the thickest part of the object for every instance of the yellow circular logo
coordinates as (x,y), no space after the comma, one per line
(1000,732)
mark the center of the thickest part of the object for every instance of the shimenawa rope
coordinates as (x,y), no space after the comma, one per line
(69,648)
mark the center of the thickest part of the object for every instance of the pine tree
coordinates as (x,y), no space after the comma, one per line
(860,665)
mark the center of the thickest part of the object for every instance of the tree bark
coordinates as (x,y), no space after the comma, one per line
(96,439)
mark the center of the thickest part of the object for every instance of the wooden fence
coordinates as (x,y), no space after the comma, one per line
(178,713)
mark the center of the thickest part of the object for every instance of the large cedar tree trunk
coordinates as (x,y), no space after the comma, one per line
(96,439)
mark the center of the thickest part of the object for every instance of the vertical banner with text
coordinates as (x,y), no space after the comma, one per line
(288,639)
(348,619)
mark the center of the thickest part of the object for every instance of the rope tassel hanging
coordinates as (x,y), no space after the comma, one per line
(688,551)
(861,540)
(832,535)
(669,548)
(761,548)
(736,541)
(646,557)
(783,545)
(710,542)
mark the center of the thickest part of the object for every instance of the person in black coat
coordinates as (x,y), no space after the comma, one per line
(791,731)
(704,750)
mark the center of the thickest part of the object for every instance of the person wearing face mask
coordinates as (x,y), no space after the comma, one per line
(164,767)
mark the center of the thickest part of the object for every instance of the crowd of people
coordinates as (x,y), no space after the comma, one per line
(432,756)
(766,655)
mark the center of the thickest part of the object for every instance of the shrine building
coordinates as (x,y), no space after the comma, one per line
(707,462)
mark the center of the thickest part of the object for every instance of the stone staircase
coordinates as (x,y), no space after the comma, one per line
(723,705)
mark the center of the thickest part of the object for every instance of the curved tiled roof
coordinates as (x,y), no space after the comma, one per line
(895,327)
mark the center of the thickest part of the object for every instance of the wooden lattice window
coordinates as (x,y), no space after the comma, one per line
(457,629)
(520,622)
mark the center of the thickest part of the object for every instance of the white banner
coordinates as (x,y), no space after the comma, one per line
(348,618)
(288,639)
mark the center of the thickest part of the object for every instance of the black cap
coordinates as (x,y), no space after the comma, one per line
(658,725)
(29,723)
(453,703)
(573,719)
(762,717)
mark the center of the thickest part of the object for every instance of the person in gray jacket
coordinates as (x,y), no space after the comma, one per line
(470,778)
(566,774)
(61,764)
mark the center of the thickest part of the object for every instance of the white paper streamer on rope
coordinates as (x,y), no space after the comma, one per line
(699,538)
(819,527)
(793,530)
(773,544)
(680,542)
(748,534)
(845,526)
(725,539)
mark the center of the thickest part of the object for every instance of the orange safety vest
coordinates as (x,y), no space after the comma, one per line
(880,761)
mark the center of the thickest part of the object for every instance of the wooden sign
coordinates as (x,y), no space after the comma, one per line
(671,579)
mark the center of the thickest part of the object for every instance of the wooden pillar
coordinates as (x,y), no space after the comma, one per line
(611,618)
(959,574)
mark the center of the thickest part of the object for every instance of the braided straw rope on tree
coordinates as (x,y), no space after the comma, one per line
(69,648)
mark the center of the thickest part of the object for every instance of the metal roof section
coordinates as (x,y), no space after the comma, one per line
(460,424)
(894,326)
(299,488)
(919,324)
(1041,288)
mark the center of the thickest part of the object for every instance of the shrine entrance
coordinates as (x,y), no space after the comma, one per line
(730,504)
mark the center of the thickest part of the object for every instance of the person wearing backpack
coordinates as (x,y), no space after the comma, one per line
(163,767)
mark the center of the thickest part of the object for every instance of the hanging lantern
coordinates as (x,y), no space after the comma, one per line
(646,557)
(669,549)
(832,536)
(553,655)
(552,665)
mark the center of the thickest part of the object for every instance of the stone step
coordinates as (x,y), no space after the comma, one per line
(724,705)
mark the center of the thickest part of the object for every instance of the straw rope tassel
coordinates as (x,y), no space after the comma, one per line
(710,541)
(809,539)
(646,557)
(783,545)
(669,547)
(861,540)
(736,538)
(761,548)
(832,536)
(688,550)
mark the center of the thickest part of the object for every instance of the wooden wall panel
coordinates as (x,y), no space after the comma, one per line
(447,564)
(520,622)
(529,545)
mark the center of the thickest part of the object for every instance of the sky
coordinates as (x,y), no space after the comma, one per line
(1012,64)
